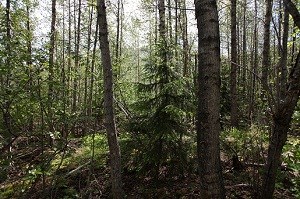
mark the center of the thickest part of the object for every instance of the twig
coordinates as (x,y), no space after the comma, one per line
(77,169)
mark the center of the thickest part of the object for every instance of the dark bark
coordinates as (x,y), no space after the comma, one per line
(233,73)
(244,62)
(266,62)
(254,66)
(208,113)
(109,118)
(282,118)
(29,60)
(77,60)
(8,43)
(87,67)
(65,126)
(281,121)
(184,32)
(51,63)
(292,9)
(170,20)
(92,69)
(284,54)
(162,33)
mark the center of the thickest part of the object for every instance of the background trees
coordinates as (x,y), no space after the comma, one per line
(53,103)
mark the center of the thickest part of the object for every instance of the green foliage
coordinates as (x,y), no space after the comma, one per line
(291,157)
(296,119)
(96,144)
(247,144)
(162,112)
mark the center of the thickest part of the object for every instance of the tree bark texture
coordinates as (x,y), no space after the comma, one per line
(282,118)
(208,113)
(266,62)
(281,121)
(51,63)
(77,60)
(233,73)
(109,119)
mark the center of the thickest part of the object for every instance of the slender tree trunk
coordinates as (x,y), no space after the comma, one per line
(64,128)
(185,42)
(8,43)
(282,118)
(162,32)
(176,32)
(208,114)
(163,57)
(77,60)
(170,20)
(254,66)
(93,68)
(29,60)
(283,59)
(245,65)
(118,39)
(266,63)
(233,73)
(109,119)
(87,67)
(121,31)
(51,65)
(69,53)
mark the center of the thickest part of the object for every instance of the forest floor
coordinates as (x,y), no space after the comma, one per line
(75,178)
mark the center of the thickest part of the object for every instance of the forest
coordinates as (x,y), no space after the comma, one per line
(149,99)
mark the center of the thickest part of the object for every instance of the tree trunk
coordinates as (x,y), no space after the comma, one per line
(87,67)
(64,128)
(93,68)
(186,70)
(292,9)
(281,121)
(69,53)
(109,119)
(266,63)
(254,65)
(77,60)
(244,62)
(118,40)
(282,118)
(208,113)
(29,60)
(284,55)
(51,64)
(233,73)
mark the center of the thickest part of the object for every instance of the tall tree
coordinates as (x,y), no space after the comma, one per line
(266,63)
(282,117)
(162,30)
(87,67)
(77,59)
(185,42)
(233,73)
(208,113)
(29,56)
(51,63)
(254,65)
(284,53)
(109,118)
(244,62)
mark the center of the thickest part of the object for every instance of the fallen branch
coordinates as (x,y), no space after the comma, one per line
(258,165)
(78,168)
(238,186)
